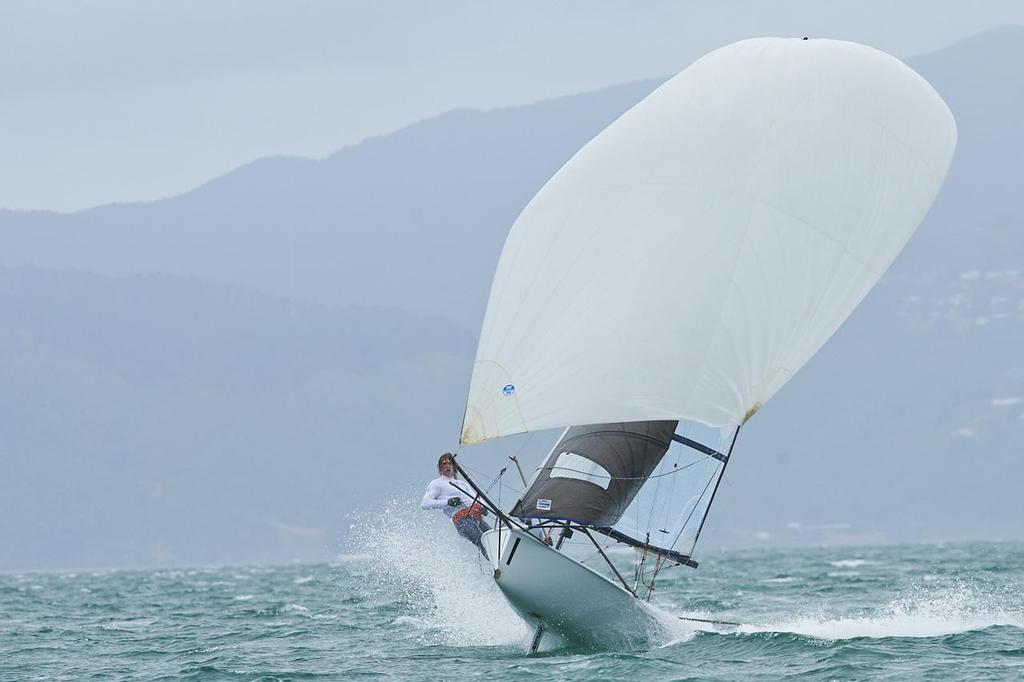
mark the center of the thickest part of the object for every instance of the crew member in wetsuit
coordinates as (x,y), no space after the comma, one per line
(454,498)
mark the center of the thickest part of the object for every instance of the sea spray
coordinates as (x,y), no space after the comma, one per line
(418,558)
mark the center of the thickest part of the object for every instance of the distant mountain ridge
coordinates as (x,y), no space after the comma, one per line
(374,224)
(356,228)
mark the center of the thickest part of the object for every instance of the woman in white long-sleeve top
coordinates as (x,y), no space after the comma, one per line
(455,499)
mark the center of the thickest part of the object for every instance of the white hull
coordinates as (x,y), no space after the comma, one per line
(545,586)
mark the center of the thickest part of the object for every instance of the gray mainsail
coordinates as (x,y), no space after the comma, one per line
(595,471)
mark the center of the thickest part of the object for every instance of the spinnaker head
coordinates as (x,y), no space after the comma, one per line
(692,257)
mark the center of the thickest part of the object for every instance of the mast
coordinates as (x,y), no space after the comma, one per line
(721,475)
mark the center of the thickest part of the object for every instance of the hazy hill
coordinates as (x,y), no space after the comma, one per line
(416,219)
(155,419)
(413,220)
(167,418)
(981,79)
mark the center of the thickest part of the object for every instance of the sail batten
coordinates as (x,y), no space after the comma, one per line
(691,258)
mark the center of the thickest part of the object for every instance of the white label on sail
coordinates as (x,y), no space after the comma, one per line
(571,465)
(544,505)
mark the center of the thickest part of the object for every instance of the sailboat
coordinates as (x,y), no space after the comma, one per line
(664,284)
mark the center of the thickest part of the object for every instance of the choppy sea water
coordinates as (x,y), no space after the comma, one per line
(419,605)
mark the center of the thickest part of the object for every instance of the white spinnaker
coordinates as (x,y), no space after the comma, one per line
(695,254)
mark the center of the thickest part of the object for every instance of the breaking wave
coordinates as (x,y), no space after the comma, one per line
(923,612)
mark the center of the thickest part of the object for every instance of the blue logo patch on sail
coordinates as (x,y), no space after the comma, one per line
(508,389)
(544,505)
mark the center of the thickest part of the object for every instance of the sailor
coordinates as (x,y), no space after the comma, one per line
(455,499)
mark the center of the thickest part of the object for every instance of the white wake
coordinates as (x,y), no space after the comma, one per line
(930,611)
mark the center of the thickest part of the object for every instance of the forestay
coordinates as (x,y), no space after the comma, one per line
(693,256)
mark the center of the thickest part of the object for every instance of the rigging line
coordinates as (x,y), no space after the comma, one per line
(718,470)
(498,481)
(607,560)
(657,489)
(638,570)
(672,490)
(658,563)
(501,516)
(520,448)
(484,493)
(623,478)
(484,475)
(636,517)
(500,484)
(720,477)
(592,556)
(695,505)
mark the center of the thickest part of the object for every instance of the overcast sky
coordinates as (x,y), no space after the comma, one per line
(121,101)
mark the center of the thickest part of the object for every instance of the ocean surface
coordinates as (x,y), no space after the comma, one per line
(419,605)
